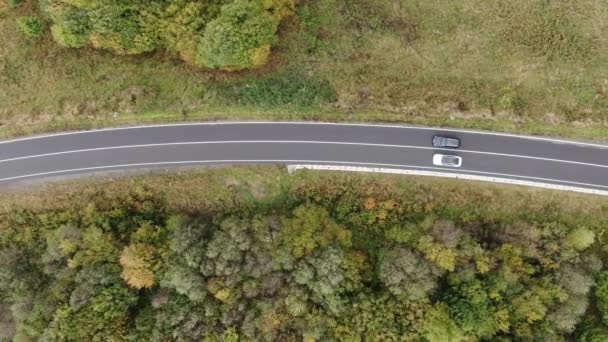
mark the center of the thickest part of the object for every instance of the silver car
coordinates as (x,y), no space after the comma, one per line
(449,160)
(445,142)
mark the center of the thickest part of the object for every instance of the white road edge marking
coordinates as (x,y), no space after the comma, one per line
(286,161)
(297,142)
(293,168)
(442,129)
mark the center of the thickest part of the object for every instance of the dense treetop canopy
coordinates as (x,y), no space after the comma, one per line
(316,258)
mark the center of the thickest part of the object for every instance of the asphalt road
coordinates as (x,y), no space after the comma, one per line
(496,155)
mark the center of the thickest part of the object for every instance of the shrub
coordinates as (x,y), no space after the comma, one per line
(580,238)
(117,27)
(14,3)
(239,38)
(286,87)
(72,26)
(30,26)
(511,99)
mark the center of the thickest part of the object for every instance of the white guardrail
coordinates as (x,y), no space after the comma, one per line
(295,167)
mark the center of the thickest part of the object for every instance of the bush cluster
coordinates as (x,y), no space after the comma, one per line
(217,34)
(286,87)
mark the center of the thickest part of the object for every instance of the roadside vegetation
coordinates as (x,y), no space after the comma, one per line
(218,34)
(246,254)
(534,66)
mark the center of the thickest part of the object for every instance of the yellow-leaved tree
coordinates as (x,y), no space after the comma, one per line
(137,261)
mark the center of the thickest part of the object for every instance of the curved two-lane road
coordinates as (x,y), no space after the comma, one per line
(548,161)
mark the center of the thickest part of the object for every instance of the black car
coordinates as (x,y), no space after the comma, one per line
(445,142)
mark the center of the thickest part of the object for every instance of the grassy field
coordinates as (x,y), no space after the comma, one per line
(532,66)
(187,190)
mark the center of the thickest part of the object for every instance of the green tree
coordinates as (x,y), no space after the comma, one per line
(185,281)
(226,250)
(94,247)
(189,239)
(117,26)
(596,334)
(239,38)
(91,280)
(309,229)
(380,317)
(323,275)
(529,307)
(438,326)
(102,319)
(180,319)
(471,306)
(179,24)
(575,279)
(405,273)
(568,314)
(439,254)
(601,295)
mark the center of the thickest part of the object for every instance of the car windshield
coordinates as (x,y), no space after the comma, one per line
(450,159)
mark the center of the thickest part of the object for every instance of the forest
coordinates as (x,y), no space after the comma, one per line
(255,254)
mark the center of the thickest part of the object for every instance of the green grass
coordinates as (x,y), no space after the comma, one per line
(530,66)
